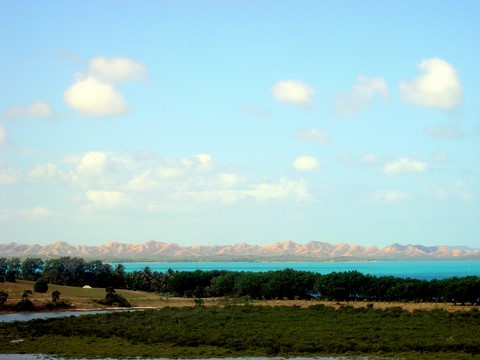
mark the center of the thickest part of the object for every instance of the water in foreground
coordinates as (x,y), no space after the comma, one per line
(48,315)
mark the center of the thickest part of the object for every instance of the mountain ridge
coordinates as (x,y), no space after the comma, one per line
(311,251)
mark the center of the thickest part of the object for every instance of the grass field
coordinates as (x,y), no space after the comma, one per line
(83,299)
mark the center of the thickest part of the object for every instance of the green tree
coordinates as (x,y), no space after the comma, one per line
(3,265)
(55,295)
(31,268)
(40,286)
(14,264)
(3,297)
(26,295)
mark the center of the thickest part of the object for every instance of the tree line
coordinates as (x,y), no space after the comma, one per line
(280,284)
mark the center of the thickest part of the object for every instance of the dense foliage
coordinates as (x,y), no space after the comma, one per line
(282,284)
(252,331)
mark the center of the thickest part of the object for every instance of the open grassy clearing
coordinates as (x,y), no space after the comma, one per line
(82,299)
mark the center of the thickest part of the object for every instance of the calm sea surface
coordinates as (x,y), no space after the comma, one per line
(425,269)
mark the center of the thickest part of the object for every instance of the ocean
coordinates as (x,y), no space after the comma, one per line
(422,269)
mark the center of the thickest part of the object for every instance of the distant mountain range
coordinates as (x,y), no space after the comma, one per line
(312,251)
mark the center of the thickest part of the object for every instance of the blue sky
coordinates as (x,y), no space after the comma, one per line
(217,122)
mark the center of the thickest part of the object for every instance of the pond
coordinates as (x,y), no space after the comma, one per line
(47,315)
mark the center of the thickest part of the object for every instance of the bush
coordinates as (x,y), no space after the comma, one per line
(59,304)
(41,286)
(3,297)
(11,276)
(24,305)
(112,298)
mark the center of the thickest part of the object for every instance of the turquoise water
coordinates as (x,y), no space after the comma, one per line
(425,269)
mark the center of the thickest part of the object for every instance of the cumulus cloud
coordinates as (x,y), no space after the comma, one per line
(119,181)
(359,97)
(294,92)
(405,165)
(438,86)
(9,176)
(48,171)
(36,109)
(106,200)
(283,189)
(389,196)
(94,93)
(37,213)
(3,135)
(92,97)
(113,70)
(313,135)
(438,132)
(306,163)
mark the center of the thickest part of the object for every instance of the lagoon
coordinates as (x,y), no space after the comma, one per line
(421,269)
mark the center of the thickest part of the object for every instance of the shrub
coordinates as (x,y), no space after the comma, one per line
(24,305)
(10,276)
(112,298)
(3,297)
(41,286)
(199,302)
(60,304)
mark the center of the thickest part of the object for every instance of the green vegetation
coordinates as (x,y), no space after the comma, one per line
(41,286)
(114,299)
(252,331)
(282,284)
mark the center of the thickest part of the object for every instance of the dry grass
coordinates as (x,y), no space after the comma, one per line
(82,299)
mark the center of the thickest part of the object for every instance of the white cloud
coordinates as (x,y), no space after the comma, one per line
(354,102)
(8,175)
(94,93)
(106,200)
(438,86)
(405,165)
(306,163)
(462,191)
(295,92)
(368,159)
(38,213)
(92,164)
(283,189)
(92,97)
(229,179)
(3,135)
(113,70)
(389,196)
(36,109)
(118,181)
(438,132)
(49,171)
(440,156)
(314,135)
(199,162)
